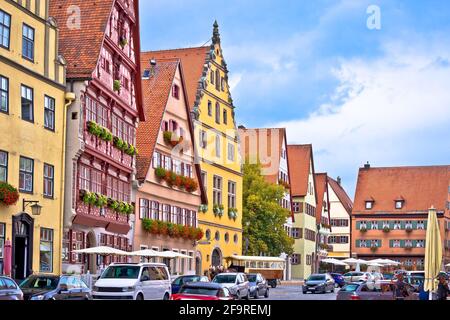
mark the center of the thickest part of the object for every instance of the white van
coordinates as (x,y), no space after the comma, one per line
(133,281)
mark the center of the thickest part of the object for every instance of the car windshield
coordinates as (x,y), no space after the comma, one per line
(316,277)
(251,277)
(190,279)
(388,276)
(199,291)
(44,283)
(225,278)
(121,272)
(350,288)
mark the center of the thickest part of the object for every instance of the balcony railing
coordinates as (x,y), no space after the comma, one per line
(93,216)
(108,149)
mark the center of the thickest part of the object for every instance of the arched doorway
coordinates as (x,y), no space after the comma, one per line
(216,257)
(22,249)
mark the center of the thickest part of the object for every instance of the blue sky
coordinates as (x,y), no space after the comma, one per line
(314,67)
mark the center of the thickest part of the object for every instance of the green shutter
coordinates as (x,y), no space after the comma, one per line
(426,224)
(358,243)
(403,225)
(358,226)
(402,243)
(414,243)
(380,243)
(380,225)
(414,224)
(391,243)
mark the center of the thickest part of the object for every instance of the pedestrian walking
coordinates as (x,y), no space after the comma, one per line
(423,295)
(400,289)
(443,291)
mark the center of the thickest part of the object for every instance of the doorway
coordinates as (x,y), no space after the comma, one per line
(22,249)
(198,264)
(216,258)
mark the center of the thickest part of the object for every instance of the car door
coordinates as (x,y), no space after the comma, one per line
(164,280)
(156,284)
(146,284)
(8,290)
(245,284)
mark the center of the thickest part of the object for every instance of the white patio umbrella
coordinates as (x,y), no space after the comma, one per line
(335,262)
(373,264)
(356,262)
(147,253)
(172,254)
(448,265)
(103,251)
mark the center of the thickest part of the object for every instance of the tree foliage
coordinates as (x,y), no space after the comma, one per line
(263,217)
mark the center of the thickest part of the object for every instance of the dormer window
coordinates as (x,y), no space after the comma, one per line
(146,74)
(399,204)
(369,205)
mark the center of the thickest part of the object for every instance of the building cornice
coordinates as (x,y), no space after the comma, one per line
(217,225)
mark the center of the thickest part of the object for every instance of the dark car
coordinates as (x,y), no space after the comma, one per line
(338,279)
(9,290)
(203,291)
(382,290)
(51,287)
(258,285)
(319,283)
(180,281)
(414,281)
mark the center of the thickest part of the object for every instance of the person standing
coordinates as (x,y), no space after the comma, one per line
(400,290)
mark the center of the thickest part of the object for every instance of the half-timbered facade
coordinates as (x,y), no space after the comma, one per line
(100,41)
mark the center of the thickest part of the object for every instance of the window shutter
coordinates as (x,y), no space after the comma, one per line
(402,243)
(403,225)
(414,224)
(414,243)
(391,243)
(391,225)
(358,226)
(358,245)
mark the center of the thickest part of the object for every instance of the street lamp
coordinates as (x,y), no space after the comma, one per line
(35,207)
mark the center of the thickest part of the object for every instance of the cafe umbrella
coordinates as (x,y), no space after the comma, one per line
(356,262)
(103,251)
(433,253)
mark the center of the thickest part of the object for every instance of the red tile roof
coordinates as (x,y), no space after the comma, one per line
(193,61)
(81,48)
(341,194)
(156,91)
(321,185)
(300,158)
(272,152)
(421,187)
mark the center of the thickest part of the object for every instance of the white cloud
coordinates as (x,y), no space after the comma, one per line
(390,111)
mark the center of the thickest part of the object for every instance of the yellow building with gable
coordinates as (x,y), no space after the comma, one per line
(217,144)
(32,127)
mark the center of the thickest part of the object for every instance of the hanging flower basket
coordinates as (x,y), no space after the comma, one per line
(8,194)
(386,229)
(363,230)
(116,85)
(373,248)
(123,42)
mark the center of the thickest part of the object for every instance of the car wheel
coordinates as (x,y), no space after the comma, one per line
(247,297)
(166,297)
(266,295)
(256,294)
(139,297)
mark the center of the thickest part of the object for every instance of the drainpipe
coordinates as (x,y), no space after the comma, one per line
(69,97)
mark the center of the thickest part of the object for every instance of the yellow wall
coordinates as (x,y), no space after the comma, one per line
(220,166)
(32,140)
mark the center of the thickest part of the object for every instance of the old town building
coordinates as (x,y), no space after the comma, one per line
(168,195)
(32,127)
(389,217)
(340,210)
(322,217)
(268,147)
(304,203)
(217,143)
(100,41)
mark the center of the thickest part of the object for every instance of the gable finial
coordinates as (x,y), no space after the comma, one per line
(216,34)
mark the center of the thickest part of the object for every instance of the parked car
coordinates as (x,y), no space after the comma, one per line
(319,283)
(9,290)
(133,281)
(259,286)
(237,283)
(180,281)
(376,276)
(203,291)
(51,287)
(414,281)
(382,290)
(358,276)
(416,273)
(338,279)
(388,276)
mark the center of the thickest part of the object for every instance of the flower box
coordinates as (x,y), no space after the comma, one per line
(8,194)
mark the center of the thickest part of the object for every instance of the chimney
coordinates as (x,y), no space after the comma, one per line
(367,165)
(339,180)
(152,66)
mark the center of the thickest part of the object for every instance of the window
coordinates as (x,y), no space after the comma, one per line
(225,116)
(49,113)
(27,42)
(231,194)
(203,139)
(310,235)
(339,223)
(157,160)
(2,242)
(369,205)
(399,204)
(374,225)
(396,244)
(217,113)
(338,239)
(3,166)
(155,210)
(204,179)
(144,209)
(4,94)
(222,84)
(217,190)
(420,244)
(26,175)
(308,260)
(297,207)
(208,234)
(236,238)
(49,180)
(212,77)
(217,236)
(27,103)
(296,259)
(217,79)
(146,74)
(176,91)
(231,152)
(421,225)
(210,108)
(46,251)
(227,237)
(296,233)
(217,146)
(5,29)
(397,225)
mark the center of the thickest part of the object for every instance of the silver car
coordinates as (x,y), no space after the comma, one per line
(236,283)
